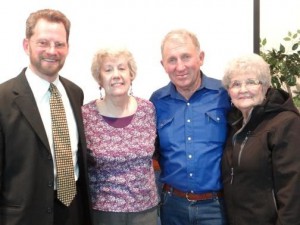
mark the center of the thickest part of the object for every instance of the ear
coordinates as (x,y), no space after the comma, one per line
(201,57)
(99,81)
(265,89)
(131,77)
(68,47)
(161,62)
(26,45)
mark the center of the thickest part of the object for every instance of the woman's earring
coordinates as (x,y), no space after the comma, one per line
(101,96)
(130,90)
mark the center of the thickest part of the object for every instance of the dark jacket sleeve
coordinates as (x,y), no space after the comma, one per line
(1,156)
(286,169)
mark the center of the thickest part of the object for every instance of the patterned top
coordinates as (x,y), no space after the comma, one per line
(121,175)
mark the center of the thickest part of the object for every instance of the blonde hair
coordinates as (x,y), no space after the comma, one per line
(101,54)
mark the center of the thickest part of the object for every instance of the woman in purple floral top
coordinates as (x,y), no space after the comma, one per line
(120,132)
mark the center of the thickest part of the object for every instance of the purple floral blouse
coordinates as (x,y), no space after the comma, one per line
(121,176)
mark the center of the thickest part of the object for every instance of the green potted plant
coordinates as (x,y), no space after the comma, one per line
(285,64)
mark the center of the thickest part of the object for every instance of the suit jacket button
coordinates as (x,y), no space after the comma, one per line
(49,210)
(50,184)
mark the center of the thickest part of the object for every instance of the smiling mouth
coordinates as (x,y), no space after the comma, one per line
(245,97)
(50,60)
(182,75)
(116,84)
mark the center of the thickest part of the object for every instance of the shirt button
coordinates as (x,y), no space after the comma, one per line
(189,138)
(188,120)
(218,118)
(191,174)
(188,103)
(190,156)
(192,191)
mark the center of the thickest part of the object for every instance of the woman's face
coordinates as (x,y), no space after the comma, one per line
(115,76)
(246,91)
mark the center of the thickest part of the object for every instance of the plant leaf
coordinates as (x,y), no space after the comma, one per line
(295,46)
(282,48)
(295,36)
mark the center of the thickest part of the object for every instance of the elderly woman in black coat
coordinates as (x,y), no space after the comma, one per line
(261,162)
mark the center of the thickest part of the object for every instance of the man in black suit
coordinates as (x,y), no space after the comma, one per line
(28,181)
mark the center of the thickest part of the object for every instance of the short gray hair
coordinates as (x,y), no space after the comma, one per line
(181,33)
(248,64)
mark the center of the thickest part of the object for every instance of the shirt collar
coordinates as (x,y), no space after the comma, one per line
(206,82)
(209,83)
(39,86)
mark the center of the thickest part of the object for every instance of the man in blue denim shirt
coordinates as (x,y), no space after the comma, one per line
(191,126)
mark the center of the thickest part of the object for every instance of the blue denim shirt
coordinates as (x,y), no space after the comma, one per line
(192,135)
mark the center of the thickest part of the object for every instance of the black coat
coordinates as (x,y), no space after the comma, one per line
(26,164)
(261,170)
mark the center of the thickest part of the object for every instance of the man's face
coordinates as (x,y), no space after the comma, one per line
(182,63)
(47,49)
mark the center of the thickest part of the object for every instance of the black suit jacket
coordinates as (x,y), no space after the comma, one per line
(26,164)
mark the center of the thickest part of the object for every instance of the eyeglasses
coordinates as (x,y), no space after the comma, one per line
(249,83)
(48,44)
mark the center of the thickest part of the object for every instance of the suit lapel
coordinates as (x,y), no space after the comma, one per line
(76,101)
(27,105)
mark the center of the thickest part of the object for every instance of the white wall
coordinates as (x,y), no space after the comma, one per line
(278,17)
(224,29)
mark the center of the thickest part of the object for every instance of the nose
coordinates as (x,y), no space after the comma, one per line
(51,48)
(116,73)
(180,65)
(243,87)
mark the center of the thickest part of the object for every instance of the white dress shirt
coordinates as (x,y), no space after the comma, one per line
(40,89)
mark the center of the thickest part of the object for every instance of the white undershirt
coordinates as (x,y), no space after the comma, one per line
(40,89)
